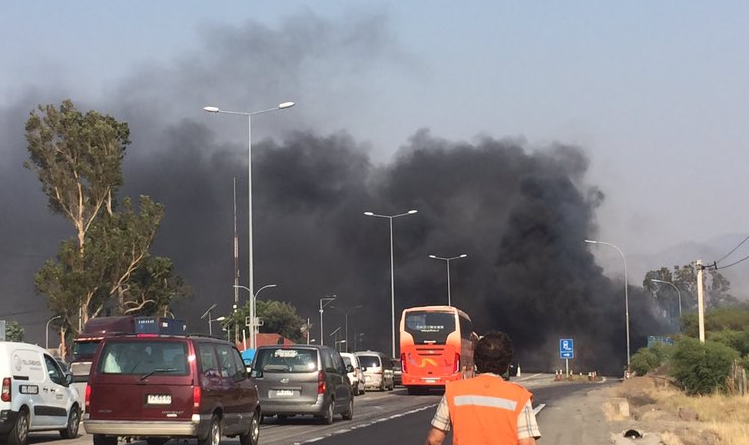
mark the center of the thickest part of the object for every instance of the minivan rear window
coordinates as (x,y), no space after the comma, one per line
(85,349)
(286,360)
(369,361)
(144,357)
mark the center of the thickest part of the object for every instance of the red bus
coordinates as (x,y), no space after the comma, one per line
(436,344)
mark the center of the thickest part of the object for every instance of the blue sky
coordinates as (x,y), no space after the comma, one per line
(654,92)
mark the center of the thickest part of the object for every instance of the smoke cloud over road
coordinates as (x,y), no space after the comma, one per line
(519,211)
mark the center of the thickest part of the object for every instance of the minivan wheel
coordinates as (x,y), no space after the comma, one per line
(349,413)
(214,433)
(100,439)
(71,429)
(382,385)
(327,418)
(19,433)
(253,435)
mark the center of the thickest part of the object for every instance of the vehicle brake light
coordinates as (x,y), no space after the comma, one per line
(457,362)
(404,369)
(87,397)
(5,395)
(320,382)
(197,394)
(146,335)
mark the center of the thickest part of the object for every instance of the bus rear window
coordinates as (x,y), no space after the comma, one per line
(430,327)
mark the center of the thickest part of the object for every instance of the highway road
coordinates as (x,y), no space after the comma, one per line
(396,417)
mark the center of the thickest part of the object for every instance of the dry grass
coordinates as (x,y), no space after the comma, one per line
(721,415)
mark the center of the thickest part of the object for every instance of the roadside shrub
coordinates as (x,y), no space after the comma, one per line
(644,361)
(701,368)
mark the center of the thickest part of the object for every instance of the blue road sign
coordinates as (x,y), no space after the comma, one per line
(566,348)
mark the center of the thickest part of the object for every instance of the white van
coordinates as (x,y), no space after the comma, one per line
(357,377)
(36,395)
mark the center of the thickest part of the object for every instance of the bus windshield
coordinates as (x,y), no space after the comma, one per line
(430,327)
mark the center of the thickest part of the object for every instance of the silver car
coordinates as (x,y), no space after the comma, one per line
(377,369)
(303,379)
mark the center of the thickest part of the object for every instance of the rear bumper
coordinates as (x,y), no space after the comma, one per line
(7,420)
(407,380)
(195,427)
(373,381)
(271,407)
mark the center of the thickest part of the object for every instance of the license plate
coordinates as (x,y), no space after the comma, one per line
(430,380)
(284,392)
(159,399)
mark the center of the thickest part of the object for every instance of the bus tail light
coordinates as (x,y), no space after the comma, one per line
(197,395)
(457,363)
(404,368)
(6,394)
(87,398)
(320,382)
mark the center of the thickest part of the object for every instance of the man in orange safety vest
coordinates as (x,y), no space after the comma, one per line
(486,410)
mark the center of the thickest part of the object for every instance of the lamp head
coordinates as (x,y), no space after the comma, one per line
(463,255)
(286,105)
(369,213)
(591,241)
(211,109)
(412,211)
(433,256)
(220,319)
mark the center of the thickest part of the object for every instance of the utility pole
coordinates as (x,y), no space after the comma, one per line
(700,298)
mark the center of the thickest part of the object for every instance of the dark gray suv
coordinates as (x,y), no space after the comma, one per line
(303,379)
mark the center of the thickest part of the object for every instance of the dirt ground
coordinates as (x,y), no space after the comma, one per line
(635,405)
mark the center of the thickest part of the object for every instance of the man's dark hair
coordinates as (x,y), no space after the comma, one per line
(493,353)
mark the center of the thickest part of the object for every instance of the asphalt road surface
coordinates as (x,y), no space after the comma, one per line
(396,417)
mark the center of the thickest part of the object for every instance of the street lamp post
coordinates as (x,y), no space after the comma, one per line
(345,313)
(210,323)
(208,314)
(672,285)
(212,109)
(626,291)
(447,260)
(253,308)
(392,275)
(327,301)
(46,331)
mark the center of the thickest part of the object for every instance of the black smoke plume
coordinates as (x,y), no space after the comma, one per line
(520,212)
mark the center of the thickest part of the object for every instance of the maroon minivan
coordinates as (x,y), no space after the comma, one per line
(160,387)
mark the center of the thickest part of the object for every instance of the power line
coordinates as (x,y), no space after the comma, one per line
(734,263)
(734,250)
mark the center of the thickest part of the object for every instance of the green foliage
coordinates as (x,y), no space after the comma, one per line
(278,317)
(734,318)
(77,158)
(648,359)
(738,340)
(14,331)
(701,368)
(107,265)
(644,361)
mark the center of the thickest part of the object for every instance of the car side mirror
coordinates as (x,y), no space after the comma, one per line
(256,374)
(68,378)
(349,368)
(363,368)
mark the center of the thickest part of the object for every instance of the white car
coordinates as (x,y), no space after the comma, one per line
(357,377)
(36,395)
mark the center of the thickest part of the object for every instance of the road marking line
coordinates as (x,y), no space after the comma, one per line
(384,419)
(538,409)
